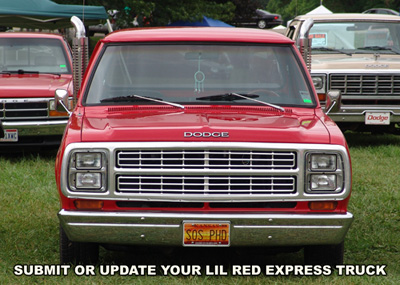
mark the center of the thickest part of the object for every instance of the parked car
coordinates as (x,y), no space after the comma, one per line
(381,11)
(32,67)
(104,28)
(261,19)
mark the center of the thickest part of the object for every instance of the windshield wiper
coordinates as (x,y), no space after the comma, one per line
(376,48)
(227,97)
(139,98)
(21,71)
(234,96)
(331,49)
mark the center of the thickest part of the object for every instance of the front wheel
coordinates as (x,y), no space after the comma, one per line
(77,252)
(324,254)
(262,24)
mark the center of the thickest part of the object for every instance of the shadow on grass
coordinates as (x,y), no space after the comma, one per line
(369,139)
(16,154)
(200,256)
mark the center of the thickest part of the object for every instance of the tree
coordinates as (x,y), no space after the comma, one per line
(245,8)
(162,12)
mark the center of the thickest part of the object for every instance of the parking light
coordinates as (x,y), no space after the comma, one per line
(88,204)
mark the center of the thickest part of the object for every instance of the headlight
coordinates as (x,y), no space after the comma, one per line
(323,182)
(88,171)
(324,173)
(326,162)
(319,82)
(88,160)
(88,180)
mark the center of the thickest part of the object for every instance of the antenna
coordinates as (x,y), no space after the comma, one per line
(83,11)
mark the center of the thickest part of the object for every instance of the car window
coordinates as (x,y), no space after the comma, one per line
(38,55)
(184,73)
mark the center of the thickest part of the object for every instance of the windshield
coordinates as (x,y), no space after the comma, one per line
(199,74)
(24,55)
(355,37)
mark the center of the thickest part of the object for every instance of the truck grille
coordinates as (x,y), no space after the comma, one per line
(206,159)
(366,84)
(205,172)
(23,109)
(207,185)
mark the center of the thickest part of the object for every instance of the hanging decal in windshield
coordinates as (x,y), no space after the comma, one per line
(319,39)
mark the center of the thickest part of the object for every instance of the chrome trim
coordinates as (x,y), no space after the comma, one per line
(357,114)
(37,128)
(209,185)
(299,172)
(247,229)
(80,31)
(73,170)
(215,159)
(26,105)
(338,172)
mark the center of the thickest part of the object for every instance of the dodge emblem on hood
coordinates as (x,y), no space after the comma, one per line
(206,134)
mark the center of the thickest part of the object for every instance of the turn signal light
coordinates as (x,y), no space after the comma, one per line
(331,205)
(88,204)
(55,113)
(322,97)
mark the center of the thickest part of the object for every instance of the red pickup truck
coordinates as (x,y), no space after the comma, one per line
(32,67)
(205,137)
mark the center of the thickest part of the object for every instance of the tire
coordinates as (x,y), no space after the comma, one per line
(324,254)
(77,252)
(262,24)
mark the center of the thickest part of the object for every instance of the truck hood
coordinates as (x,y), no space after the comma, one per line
(252,124)
(355,61)
(32,85)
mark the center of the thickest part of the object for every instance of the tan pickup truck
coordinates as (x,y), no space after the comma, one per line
(359,55)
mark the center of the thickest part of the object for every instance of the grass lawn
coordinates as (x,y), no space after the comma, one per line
(29,228)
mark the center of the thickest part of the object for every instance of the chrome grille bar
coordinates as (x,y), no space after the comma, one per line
(366,84)
(206,159)
(207,185)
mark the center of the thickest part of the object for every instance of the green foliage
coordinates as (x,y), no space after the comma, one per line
(161,12)
(288,9)
(139,9)
(167,11)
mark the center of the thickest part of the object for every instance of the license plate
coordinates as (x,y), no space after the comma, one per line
(377,118)
(196,233)
(10,136)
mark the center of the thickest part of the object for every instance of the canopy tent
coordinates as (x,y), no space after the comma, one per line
(205,22)
(45,14)
(320,10)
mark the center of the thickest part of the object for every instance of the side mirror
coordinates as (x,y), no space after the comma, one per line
(61,99)
(333,99)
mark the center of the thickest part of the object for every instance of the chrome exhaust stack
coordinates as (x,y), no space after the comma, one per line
(80,53)
(304,42)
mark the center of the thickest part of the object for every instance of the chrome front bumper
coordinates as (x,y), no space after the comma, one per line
(356,114)
(155,228)
(37,128)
